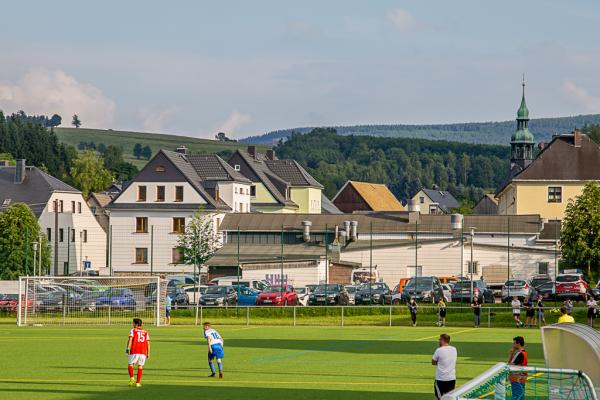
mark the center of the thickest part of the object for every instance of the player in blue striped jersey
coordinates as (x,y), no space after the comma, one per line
(215,349)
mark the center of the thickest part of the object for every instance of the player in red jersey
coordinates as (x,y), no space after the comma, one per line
(138,349)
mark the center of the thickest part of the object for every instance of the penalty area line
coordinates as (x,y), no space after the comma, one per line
(451,333)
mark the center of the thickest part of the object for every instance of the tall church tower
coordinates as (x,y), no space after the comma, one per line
(522,141)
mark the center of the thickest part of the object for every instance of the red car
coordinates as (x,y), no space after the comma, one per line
(571,285)
(278,296)
(10,302)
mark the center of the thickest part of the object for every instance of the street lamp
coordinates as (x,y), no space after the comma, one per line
(35,248)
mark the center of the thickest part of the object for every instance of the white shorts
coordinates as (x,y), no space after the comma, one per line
(139,359)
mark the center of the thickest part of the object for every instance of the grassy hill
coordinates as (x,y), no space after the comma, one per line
(156,141)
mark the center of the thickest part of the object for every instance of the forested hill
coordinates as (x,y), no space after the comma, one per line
(405,165)
(469,132)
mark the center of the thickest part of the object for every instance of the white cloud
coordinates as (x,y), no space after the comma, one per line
(580,96)
(234,121)
(155,120)
(42,91)
(401,19)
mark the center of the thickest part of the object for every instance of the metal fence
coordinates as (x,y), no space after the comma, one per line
(393,316)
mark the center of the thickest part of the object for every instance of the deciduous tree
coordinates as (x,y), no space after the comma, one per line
(89,174)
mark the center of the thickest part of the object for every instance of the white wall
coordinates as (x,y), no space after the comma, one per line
(439,259)
(93,250)
(190,195)
(296,277)
(235,195)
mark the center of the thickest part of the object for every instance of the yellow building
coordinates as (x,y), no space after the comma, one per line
(545,185)
(278,186)
(366,196)
(433,201)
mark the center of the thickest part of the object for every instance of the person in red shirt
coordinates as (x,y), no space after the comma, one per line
(518,356)
(138,349)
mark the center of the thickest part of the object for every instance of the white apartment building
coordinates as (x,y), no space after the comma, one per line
(147,218)
(76,238)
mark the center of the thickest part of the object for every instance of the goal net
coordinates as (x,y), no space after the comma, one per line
(539,383)
(91,300)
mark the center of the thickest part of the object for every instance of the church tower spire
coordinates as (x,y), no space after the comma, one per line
(522,141)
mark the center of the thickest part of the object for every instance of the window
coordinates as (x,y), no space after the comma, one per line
(178,193)
(84,236)
(73,207)
(253,191)
(472,268)
(160,193)
(236,167)
(159,168)
(236,190)
(217,194)
(554,194)
(242,207)
(79,207)
(49,234)
(177,255)
(93,209)
(72,235)
(432,209)
(421,199)
(141,255)
(178,225)
(141,225)
(61,235)
(61,205)
(141,193)
(543,267)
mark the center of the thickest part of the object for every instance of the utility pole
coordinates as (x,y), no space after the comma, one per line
(55,237)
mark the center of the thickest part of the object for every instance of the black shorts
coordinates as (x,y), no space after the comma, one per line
(168,313)
(591,313)
(515,314)
(440,388)
(530,313)
(442,313)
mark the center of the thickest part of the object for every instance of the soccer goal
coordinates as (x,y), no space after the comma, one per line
(540,383)
(90,300)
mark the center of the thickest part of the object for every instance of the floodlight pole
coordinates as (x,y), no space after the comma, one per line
(472,234)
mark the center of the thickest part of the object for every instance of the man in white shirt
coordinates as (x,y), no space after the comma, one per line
(516,310)
(444,359)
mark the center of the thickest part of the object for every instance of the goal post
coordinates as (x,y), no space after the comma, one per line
(539,383)
(91,300)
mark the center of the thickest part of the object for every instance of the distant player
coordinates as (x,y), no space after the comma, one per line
(215,349)
(138,349)
(516,310)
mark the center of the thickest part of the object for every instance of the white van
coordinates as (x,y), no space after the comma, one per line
(256,284)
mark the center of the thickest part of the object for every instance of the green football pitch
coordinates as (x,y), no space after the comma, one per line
(260,362)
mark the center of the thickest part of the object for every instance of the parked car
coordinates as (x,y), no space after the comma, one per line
(304,293)
(256,284)
(178,296)
(516,288)
(87,272)
(546,290)
(373,293)
(539,280)
(447,290)
(422,288)
(219,296)
(246,296)
(195,292)
(330,294)
(10,302)
(447,279)
(462,292)
(121,298)
(351,289)
(279,295)
(183,279)
(571,285)
(400,286)
(57,301)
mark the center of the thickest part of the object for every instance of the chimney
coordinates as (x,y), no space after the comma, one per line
(354,231)
(577,138)
(182,150)
(271,154)
(252,151)
(306,230)
(456,221)
(413,206)
(541,146)
(347,229)
(20,171)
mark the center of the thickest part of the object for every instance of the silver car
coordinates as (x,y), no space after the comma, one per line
(519,288)
(351,294)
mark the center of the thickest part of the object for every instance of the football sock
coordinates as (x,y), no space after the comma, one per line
(139,375)
(130,368)
(212,366)
(220,367)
